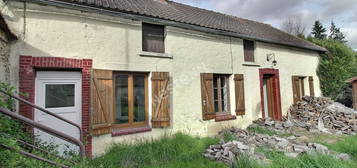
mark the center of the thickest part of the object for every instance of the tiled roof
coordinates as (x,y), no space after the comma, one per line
(181,13)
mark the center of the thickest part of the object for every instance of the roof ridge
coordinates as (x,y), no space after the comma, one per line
(295,36)
(237,17)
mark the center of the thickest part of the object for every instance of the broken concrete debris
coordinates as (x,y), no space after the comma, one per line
(246,145)
(313,114)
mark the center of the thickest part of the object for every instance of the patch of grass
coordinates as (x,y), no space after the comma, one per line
(347,145)
(307,161)
(180,150)
(244,161)
(261,130)
(269,132)
(228,136)
(279,160)
(327,139)
(285,134)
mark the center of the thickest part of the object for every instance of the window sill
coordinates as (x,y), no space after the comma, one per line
(153,54)
(253,64)
(127,131)
(225,117)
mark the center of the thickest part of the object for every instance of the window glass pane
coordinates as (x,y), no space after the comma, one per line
(215,106)
(215,81)
(121,99)
(59,95)
(302,93)
(248,50)
(224,93)
(139,98)
(153,38)
(215,93)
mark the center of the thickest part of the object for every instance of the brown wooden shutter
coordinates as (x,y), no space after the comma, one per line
(248,50)
(153,38)
(296,88)
(160,99)
(239,92)
(311,86)
(208,112)
(102,100)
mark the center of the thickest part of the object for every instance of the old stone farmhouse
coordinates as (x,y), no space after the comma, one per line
(134,69)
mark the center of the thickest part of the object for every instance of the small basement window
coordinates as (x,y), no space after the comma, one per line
(221,93)
(248,51)
(153,38)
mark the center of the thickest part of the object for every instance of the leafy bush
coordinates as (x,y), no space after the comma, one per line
(336,66)
(12,130)
(6,102)
(9,131)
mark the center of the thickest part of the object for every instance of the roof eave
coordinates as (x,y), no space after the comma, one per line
(161,21)
(5,27)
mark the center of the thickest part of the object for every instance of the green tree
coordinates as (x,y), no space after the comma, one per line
(336,65)
(336,34)
(318,30)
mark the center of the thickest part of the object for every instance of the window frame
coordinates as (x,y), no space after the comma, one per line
(144,34)
(245,50)
(131,123)
(219,99)
(302,86)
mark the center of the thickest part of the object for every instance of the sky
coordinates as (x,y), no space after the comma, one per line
(275,12)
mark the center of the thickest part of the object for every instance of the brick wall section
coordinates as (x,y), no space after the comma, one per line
(27,74)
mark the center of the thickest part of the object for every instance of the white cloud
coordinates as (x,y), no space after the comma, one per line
(351,34)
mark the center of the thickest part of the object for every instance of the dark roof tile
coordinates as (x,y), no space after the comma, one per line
(200,17)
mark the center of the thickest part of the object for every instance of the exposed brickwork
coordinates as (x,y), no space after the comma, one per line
(27,74)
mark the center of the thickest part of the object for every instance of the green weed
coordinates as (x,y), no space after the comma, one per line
(179,150)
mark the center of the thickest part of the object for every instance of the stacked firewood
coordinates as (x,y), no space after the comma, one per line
(324,114)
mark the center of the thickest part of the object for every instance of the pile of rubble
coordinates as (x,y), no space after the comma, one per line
(316,114)
(324,114)
(312,114)
(247,142)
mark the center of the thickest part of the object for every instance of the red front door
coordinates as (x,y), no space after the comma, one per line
(270,93)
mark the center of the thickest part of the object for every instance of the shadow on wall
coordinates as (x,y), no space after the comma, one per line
(23,48)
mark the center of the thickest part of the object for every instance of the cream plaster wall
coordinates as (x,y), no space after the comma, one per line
(115,43)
